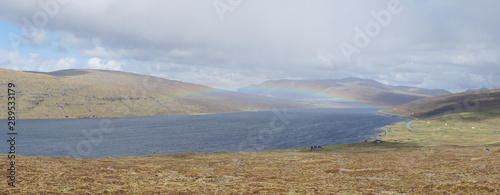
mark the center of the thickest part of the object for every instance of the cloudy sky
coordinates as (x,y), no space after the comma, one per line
(227,44)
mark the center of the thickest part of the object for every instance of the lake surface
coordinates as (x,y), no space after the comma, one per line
(242,131)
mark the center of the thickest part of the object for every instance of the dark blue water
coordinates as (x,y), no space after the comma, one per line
(243,131)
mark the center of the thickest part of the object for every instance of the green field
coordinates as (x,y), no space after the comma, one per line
(475,130)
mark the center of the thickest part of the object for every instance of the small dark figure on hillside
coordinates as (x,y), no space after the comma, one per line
(315,148)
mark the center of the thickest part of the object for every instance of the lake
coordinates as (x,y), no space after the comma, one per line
(241,131)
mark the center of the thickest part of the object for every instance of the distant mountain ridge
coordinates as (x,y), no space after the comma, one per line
(476,89)
(472,101)
(80,93)
(352,89)
(100,93)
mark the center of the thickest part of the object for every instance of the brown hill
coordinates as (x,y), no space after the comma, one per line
(98,93)
(472,101)
(338,90)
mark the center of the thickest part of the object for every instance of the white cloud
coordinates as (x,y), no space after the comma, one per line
(72,41)
(39,38)
(97,63)
(35,62)
(61,64)
(428,44)
(97,51)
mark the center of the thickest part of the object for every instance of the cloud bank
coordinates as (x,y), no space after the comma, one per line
(434,44)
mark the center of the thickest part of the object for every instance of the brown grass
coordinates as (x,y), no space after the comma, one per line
(421,172)
(415,166)
(473,101)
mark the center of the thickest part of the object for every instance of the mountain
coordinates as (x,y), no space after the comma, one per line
(473,101)
(337,92)
(99,93)
(476,89)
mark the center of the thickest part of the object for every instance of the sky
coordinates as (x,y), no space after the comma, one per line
(227,44)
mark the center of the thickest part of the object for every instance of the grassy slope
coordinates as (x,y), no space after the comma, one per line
(92,93)
(473,101)
(466,129)
(437,159)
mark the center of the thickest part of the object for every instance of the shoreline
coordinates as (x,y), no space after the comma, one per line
(446,164)
(193,114)
(219,152)
(372,136)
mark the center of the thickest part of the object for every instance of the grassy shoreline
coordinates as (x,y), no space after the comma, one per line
(437,158)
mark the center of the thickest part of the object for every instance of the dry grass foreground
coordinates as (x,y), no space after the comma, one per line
(428,163)
(264,172)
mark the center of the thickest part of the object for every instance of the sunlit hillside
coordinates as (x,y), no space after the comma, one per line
(97,94)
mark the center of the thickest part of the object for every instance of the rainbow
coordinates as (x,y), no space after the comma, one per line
(339,100)
(301,94)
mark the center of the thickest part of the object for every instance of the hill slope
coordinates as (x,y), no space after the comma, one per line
(336,91)
(97,93)
(473,101)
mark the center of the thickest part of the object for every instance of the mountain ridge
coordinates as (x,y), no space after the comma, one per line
(472,101)
(351,88)
(89,93)
(81,93)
